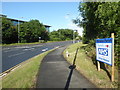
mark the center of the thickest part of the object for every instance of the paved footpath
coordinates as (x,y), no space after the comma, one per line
(55,72)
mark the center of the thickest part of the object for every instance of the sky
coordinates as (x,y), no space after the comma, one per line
(58,15)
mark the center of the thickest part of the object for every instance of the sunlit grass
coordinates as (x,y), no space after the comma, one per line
(88,69)
(25,75)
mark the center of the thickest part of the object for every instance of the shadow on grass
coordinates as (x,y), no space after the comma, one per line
(94,61)
(102,66)
(71,67)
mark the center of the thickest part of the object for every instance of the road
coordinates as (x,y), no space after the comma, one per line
(12,56)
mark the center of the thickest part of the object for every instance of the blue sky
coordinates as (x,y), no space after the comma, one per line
(56,14)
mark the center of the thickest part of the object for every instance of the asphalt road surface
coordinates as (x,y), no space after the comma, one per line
(13,55)
(56,72)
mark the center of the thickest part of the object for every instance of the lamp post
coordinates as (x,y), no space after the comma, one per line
(18,32)
(19,29)
(74,36)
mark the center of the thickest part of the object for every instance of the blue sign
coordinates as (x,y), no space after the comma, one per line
(104,50)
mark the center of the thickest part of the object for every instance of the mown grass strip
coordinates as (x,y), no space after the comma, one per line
(25,75)
(85,65)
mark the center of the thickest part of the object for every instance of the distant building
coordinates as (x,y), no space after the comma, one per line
(2,15)
(15,22)
(47,27)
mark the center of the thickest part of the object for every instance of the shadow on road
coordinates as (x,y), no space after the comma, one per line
(71,67)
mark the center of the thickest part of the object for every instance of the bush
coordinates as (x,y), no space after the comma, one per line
(55,39)
(84,40)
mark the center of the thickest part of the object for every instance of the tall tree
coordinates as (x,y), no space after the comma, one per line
(100,19)
(63,34)
(9,32)
(31,31)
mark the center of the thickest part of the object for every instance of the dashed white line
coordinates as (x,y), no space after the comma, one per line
(10,50)
(28,49)
(45,49)
(5,48)
(29,46)
(16,54)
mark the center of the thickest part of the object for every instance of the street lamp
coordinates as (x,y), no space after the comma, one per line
(18,29)
(74,36)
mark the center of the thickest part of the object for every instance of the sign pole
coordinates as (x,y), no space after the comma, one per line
(98,64)
(112,77)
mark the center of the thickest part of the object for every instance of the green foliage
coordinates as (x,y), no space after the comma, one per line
(31,31)
(78,38)
(28,32)
(9,32)
(100,19)
(62,34)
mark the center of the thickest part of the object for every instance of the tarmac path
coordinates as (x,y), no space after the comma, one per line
(56,72)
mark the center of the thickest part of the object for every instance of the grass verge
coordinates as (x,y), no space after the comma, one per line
(25,75)
(85,65)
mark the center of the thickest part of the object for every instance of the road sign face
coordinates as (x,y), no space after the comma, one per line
(104,50)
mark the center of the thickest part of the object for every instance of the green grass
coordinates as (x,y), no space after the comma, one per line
(25,75)
(14,44)
(85,65)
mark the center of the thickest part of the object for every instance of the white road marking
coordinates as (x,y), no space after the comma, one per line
(5,48)
(10,50)
(37,45)
(23,47)
(29,46)
(57,46)
(16,54)
(45,49)
(28,49)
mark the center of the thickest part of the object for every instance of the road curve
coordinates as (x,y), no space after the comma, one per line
(14,55)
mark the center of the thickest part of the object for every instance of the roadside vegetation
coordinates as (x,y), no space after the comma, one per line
(31,32)
(100,19)
(63,35)
(28,32)
(25,75)
(88,67)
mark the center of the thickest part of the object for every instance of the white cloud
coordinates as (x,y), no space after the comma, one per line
(73,26)
(66,17)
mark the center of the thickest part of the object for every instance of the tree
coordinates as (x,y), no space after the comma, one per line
(31,31)
(9,32)
(62,34)
(100,19)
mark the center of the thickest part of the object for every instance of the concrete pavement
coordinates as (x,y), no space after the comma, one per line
(56,72)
